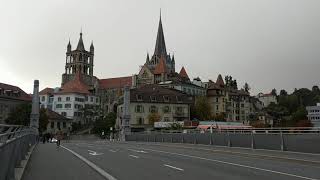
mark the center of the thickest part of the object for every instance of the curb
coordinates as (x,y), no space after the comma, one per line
(18,172)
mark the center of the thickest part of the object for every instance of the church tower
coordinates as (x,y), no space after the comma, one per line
(160,52)
(79,60)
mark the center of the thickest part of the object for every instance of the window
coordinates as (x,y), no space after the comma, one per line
(153,109)
(153,98)
(242,105)
(97,100)
(67,106)
(217,99)
(67,98)
(64,124)
(59,99)
(86,98)
(139,97)
(43,98)
(58,125)
(166,98)
(63,113)
(179,99)
(179,110)
(166,109)
(52,125)
(139,109)
(58,106)
(140,120)
(217,107)
(91,99)
(77,106)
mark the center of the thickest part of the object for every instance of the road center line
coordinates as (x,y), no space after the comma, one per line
(179,169)
(93,166)
(134,156)
(233,164)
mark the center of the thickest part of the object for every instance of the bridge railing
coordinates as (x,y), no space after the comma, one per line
(15,142)
(283,139)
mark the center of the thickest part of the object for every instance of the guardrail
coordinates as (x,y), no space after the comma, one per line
(15,142)
(300,140)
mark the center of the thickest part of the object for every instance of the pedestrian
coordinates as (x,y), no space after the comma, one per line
(102,135)
(59,137)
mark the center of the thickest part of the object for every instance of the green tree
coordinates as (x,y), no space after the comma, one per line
(104,123)
(202,108)
(21,116)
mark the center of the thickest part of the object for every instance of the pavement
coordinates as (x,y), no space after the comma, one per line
(157,161)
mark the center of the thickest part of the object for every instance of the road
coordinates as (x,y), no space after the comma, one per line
(137,161)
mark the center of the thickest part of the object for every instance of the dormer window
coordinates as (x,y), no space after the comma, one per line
(153,98)
(179,99)
(166,98)
(139,97)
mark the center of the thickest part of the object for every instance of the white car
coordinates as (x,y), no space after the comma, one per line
(53,140)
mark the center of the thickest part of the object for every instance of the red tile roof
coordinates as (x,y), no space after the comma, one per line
(46,91)
(161,67)
(183,73)
(17,92)
(113,83)
(75,86)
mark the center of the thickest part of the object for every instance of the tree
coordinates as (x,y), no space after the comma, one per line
(154,117)
(104,123)
(274,92)
(246,87)
(21,116)
(283,92)
(202,108)
(300,114)
(315,89)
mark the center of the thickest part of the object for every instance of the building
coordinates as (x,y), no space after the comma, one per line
(78,92)
(160,69)
(169,105)
(314,114)
(267,99)
(11,97)
(232,104)
(57,122)
(79,61)
(110,91)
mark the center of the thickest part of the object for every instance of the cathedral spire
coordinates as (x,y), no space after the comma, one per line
(80,43)
(160,48)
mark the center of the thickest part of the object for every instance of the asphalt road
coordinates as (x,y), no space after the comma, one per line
(137,161)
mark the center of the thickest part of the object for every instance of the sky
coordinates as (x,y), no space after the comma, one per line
(266,43)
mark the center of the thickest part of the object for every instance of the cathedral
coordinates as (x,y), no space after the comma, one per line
(161,66)
(79,61)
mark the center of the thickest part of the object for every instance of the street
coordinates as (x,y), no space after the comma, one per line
(132,160)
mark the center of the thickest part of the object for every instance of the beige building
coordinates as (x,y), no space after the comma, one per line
(231,104)
(167,105)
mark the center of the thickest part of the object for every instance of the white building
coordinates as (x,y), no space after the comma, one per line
(70,100)
(314,114)
(267,99)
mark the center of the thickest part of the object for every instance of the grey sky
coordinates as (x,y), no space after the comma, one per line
(268,43)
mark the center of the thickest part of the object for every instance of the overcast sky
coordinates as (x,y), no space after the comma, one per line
(267,43)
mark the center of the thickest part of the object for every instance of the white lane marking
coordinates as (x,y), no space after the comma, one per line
(112,150)
(93,166)
(233,164)
(179,169)
(138,151)
(93,153)
(134,156)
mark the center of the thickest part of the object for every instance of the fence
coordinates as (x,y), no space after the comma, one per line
(15,142)
(301,140)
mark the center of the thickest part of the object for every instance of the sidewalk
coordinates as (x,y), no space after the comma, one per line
(48,162)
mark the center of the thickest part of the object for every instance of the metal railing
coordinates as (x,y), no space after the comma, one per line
(282,130)
(15,142)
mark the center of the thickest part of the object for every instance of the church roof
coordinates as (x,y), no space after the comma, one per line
(46,91)
(220,81)
(183,73)
(80,46)
(160,48)
(114,83)
(75,86)
(161,67)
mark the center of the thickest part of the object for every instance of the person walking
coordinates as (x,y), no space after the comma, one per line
(59,137)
